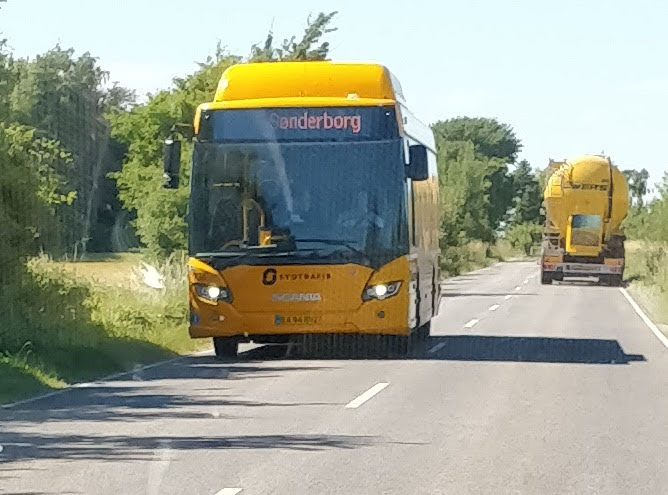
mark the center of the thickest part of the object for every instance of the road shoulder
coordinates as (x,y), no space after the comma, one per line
(655,328)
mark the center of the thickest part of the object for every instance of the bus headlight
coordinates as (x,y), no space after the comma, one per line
(213,293)
(381,291)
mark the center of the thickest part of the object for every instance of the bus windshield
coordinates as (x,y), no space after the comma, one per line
(330,200)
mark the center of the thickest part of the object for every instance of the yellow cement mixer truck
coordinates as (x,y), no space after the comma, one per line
(586,201)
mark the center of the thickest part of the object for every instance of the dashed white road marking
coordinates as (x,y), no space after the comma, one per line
(518,288)
(509,296)
(163,456)
(494,307)
(229,491)
(377,388)
(526,281)
(436,348)
(472,323)
(652,326)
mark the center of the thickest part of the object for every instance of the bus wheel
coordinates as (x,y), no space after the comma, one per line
(545,278)
(399,345)
(422,333)
(225,347)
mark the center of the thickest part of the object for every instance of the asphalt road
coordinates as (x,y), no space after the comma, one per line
(521,389)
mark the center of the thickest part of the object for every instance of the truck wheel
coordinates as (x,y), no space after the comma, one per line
(545,278)
(611,280)
(225,347)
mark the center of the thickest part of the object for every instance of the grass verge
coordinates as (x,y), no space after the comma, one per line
(647,278)
(64,324)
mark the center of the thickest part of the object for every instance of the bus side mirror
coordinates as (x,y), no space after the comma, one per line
(172,163)
(418,165)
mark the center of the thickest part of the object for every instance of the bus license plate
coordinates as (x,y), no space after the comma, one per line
(297,319)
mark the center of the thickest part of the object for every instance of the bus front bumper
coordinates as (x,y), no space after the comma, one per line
(373,317)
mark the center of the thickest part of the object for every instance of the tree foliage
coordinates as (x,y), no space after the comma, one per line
(464,184)
(524,236)
(480,197)
(494,146)
(64,97)
(650,221)
(637,181)
(161,215)
(291,49)
(490,138)
(31,188)
(527,195)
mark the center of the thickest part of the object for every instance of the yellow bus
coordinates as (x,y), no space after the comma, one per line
(313,207)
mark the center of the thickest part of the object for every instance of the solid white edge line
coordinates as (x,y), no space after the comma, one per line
(358,401)
(652,326)
(229,491)
(436,348)
(471,323)
(100,380)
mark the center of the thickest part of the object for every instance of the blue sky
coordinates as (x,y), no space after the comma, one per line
(570,77)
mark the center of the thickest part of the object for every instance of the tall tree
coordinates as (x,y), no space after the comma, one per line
(464,182)
(490,138)
(8,77)
(65,97)
(494,145)
(527,195)
(637,180)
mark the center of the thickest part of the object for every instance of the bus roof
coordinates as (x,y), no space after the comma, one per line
(307,79)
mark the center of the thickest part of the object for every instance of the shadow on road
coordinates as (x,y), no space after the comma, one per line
(530,349)
(139,397)
(199,388)
(27,446)
(450,293)
(462,348)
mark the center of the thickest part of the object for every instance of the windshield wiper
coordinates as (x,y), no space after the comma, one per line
(335,242)
(246,251)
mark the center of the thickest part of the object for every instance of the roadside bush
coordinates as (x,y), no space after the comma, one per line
(655,260)
(524,236)
(472,255)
